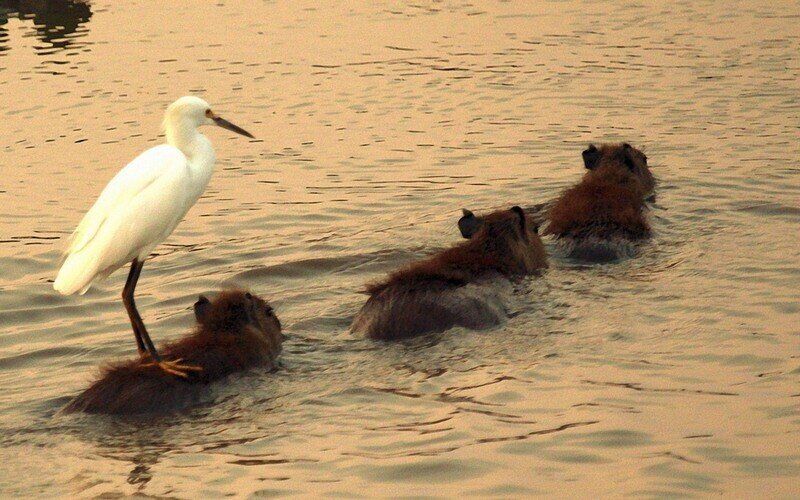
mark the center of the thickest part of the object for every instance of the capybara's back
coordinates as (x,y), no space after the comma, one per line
(407,310)
(131,387)
(603,217)
(235,332)
(466,285)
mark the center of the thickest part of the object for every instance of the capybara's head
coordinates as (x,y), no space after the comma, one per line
(619,158)
(238,311)
(509,235)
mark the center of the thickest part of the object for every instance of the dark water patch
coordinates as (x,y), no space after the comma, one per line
(58,24)
(638,387)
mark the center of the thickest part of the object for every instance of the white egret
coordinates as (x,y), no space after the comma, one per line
(140,207)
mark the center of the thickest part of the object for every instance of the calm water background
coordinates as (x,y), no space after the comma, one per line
(675,373)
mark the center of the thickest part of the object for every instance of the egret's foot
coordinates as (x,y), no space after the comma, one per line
(175,367)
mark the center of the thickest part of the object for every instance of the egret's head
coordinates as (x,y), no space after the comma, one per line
(194,112)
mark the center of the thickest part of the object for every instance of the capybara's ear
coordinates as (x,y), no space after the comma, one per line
(627,152)
(591,157)
(520,213)
(468,224)
(201,308)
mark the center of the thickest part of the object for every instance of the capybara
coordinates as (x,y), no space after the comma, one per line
(235,331)
(466,285)
(604,216)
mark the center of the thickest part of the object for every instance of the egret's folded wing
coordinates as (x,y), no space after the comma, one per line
(133,230)
(131,180)
(138,209)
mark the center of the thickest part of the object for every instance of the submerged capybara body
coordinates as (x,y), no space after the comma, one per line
(602,217)
(461,286)
(235,331)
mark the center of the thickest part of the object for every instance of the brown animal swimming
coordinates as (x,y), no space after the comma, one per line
(461,286)
(602,217)
(235,331)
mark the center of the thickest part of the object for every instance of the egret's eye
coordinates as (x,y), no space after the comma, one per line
(208,113)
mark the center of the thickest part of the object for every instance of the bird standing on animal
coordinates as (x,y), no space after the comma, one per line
(140,207)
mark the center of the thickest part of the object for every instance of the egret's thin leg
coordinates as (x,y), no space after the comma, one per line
(143,341)
(127,298)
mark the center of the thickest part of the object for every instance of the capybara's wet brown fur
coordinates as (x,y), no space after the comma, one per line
(456,286)
(609,203)
(234,332)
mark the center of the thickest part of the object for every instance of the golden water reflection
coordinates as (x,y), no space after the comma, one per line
(671,374)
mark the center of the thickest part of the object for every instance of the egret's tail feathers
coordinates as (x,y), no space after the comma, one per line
(75,276)
(68,241)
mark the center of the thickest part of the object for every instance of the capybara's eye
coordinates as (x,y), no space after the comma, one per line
(268,310)
(248,295)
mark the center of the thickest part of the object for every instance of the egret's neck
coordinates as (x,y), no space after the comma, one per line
(198,151)
(182,135)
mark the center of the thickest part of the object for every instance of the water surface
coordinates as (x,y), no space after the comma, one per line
(671,374)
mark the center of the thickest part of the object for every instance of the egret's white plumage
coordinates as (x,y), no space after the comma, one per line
(144,202)
(140,207)
(136,211)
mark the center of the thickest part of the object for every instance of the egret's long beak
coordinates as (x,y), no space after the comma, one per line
(230,126)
